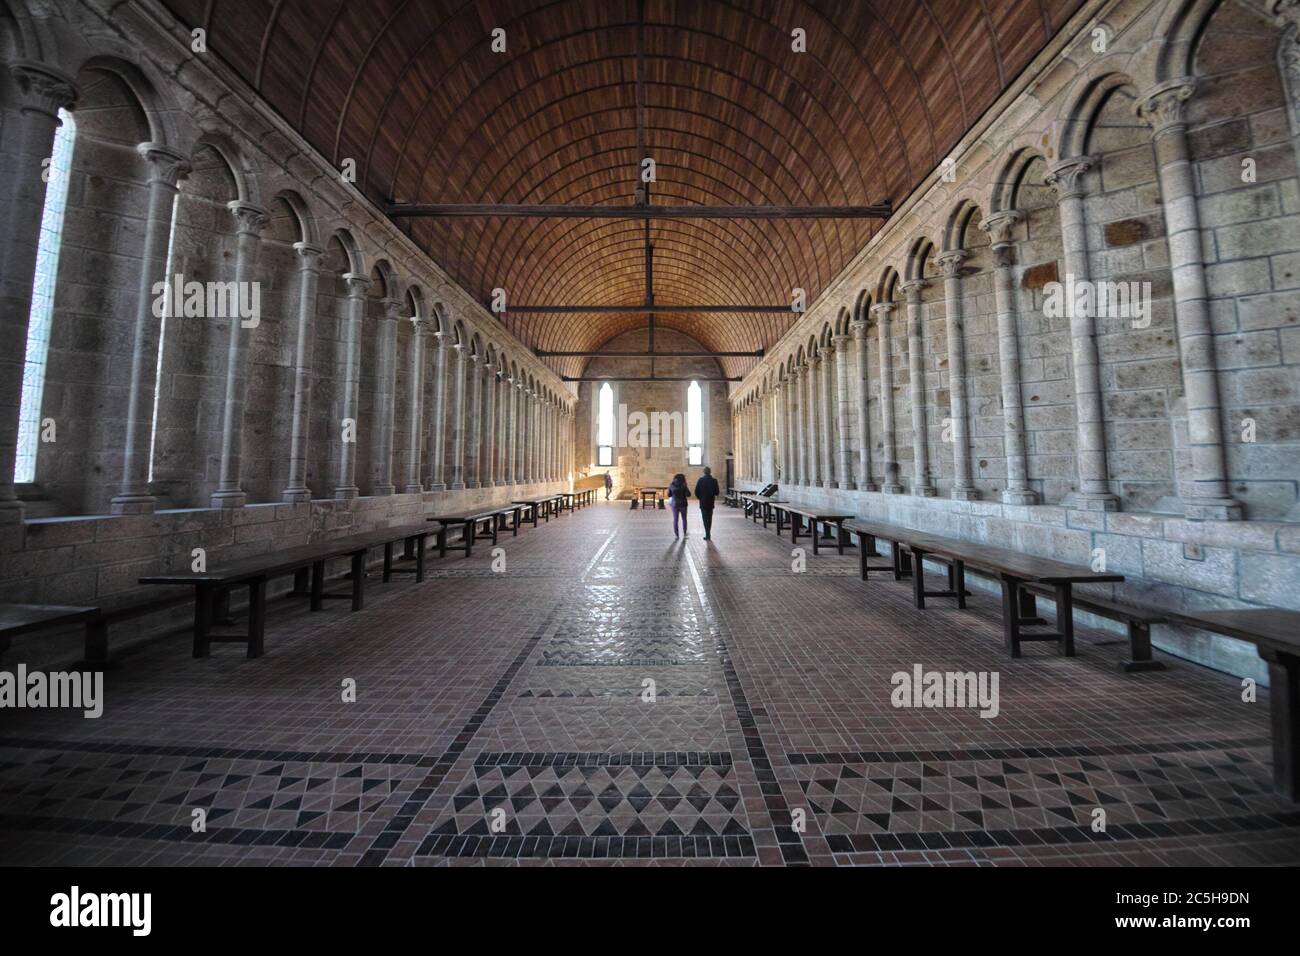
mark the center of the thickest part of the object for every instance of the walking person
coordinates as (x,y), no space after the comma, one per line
(677,495)
(609,485)
(706,493)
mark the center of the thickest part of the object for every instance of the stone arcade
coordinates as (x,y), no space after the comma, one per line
(325,322)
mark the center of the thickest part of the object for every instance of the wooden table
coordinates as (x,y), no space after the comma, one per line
(652,494)
(797,515)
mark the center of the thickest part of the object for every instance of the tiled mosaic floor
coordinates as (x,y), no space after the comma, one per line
(615,695)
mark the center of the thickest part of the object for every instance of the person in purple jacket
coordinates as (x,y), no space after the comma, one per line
(678,492)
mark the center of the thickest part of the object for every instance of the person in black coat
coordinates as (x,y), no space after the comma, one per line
(706,493)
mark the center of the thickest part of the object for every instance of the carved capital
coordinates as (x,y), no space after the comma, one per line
(1000,225)
(950,262)
(841,342)
(166,165)
(1066,177)
(1164,107)
(44,89)
(393,310)
(882,310)
(309,251)
(248,218)
(357,284)
(859,328)
(912,289)
(424,326)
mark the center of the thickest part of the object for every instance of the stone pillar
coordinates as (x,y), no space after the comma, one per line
(779,471)
(490,426)
(1205,495)
(527,433)
(950,261)
(438,420)
(458,418)
(1286,14)
(862,396)
(999,226)
(304,347)
(250,220)
(28,140)
(843,405)
(347,477)
(166,169)
(798,418)
(829,388)
(515,392)
(813,376)
(473,421)
(1093,493)
(381,469)
(421,329)
(921,483)
(889,448)
(503,427)
(789,456)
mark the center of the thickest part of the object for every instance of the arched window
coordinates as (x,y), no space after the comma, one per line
(41,318)
(694,425)
(168,312)
(605,426)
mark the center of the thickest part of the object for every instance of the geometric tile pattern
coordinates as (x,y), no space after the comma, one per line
(619,697)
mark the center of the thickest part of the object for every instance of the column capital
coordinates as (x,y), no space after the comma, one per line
(45,89)
(883,309)
(1066,177)
(841,342)
(393,310)
(357,284)
(912,289)
(440,339)
(1163,106)
(166,165)
(308,250)
(424,326)
(999,225)
(248,217)
(950,262)
(859,329)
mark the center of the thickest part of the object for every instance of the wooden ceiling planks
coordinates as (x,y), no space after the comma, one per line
(412,91)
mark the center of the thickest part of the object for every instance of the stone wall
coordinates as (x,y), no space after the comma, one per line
(1163,158)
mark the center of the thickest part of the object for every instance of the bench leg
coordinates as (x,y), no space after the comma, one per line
(221,609)
(442,542)
(1139,642)
(902,560)
(958,572)
(204,605)
(317,585)
(256,618)
(1065,616)
(813,529)
(918,578)
(388,562)
(301,585)
(1029,606)
(1011,615)
(420,541)
(96,642)
(839,537)
(1284,701)
(862,556)
(358,580)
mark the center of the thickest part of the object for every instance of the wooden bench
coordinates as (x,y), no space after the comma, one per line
(652,494)
(214,585)
(540,508)
(487,523)
(1136,620)
(18,619)
(795,515)
(1276,636)
(734,495)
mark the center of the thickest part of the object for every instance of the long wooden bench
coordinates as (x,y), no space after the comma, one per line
(1137,622)
(538,507)
(795,515)
(19,619)
(212,584)
(488,523)
(1013,570)
(1276,636)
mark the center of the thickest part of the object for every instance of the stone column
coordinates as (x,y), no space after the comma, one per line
(526,436)
(381,469)
(999,226)
(250,221)
(347,478)
(843,405)
(473,421)
(862,395)
(166,169)
(304,347)
(829,395)
(921,482)
(798,416)
(514,431)
(490,426)
(503,427)
(458,418)
(29,140)
(813,374)
(421,329)
(951,261)
(1093,493)
(1206,494)
(889,449)
(1286,14)
(438,422)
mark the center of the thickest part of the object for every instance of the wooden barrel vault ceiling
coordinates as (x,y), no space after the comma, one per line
(412,91)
